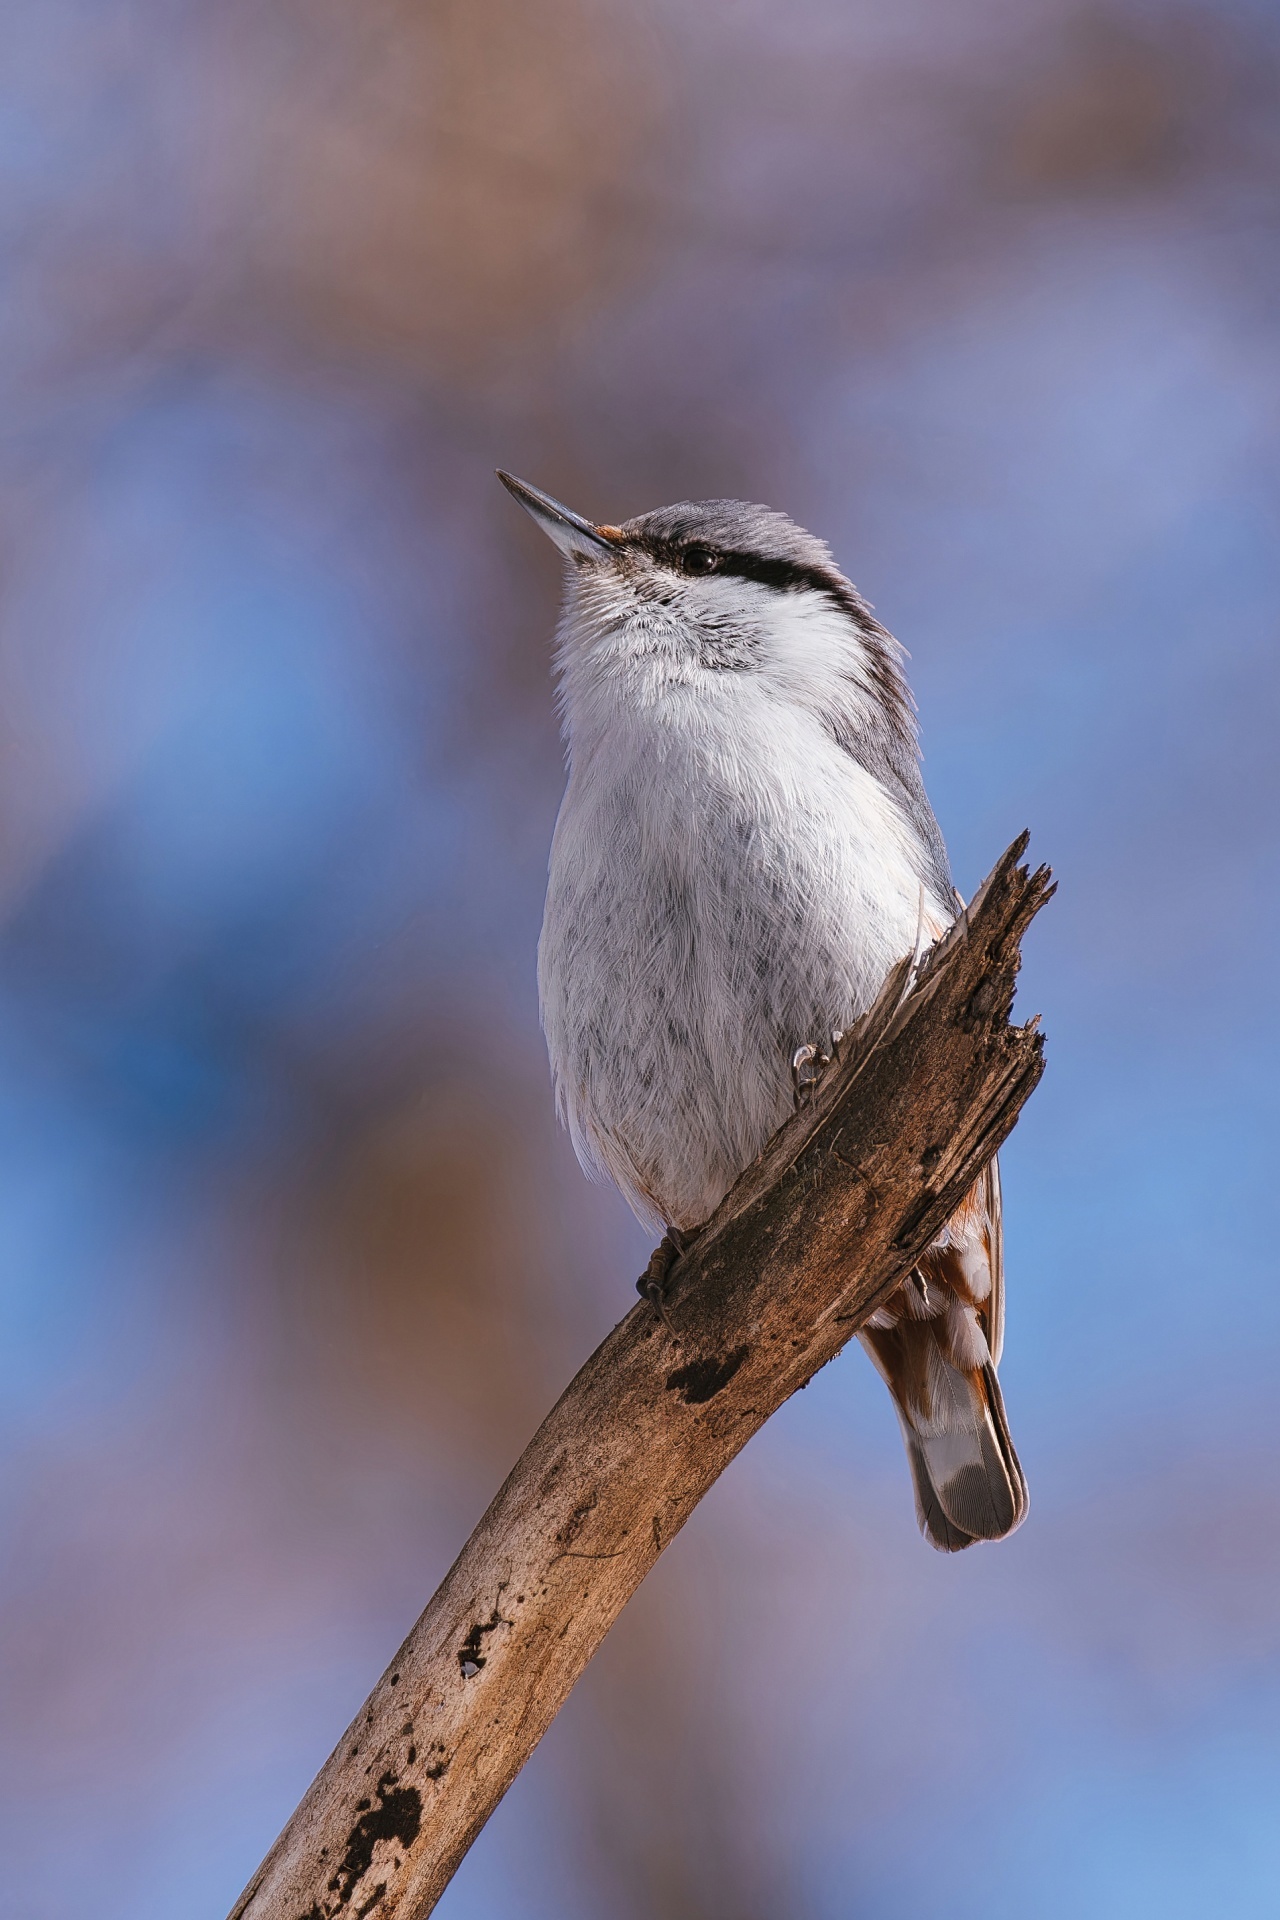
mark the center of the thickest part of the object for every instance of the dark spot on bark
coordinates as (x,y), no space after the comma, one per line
(470,1657)
(397,1816)
(362,1806)
(438,1771)
(374,1900)
(987,997)
(930,1158)
(413,1754)
(702,1380)
(395,1679)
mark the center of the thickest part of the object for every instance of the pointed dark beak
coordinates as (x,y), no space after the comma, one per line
(576,538)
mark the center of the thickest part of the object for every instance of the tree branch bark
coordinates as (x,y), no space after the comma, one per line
(810,1240)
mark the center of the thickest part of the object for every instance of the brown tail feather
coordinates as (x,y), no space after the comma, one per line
(932,1343)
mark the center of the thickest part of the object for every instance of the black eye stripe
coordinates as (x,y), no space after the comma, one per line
(783,575)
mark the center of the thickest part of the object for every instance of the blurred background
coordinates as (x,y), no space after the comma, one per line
(293,1257)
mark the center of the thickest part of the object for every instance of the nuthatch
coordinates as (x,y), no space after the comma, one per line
(744,850)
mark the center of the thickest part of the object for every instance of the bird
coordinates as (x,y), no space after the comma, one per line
(743,852)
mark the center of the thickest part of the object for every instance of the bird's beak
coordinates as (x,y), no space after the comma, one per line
(576,538)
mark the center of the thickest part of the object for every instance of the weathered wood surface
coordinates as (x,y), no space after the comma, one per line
(810,1240)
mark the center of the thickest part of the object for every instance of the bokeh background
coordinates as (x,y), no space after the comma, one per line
(987,292)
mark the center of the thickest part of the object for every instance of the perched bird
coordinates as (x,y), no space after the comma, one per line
(743,852)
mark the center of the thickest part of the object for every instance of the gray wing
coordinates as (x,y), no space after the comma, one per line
(888,750)
(884,742)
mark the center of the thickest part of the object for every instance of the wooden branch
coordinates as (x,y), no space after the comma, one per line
(811,1239)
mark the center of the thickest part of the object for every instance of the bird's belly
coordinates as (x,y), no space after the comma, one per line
(692,941)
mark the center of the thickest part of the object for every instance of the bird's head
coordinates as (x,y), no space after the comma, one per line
(713,601)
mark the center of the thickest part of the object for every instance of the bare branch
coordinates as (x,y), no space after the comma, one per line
(811,1239)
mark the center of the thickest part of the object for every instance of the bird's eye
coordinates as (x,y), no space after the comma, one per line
(698,560)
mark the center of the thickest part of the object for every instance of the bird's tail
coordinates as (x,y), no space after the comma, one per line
(936,1343)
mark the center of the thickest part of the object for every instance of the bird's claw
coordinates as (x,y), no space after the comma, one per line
(652,1284)
(808,1064)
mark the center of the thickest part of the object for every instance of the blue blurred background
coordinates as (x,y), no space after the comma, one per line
(294,1259)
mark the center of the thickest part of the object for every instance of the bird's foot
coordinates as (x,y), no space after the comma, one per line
(808,1064)
(652,1284)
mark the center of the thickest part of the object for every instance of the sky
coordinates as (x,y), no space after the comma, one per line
(292,1255)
